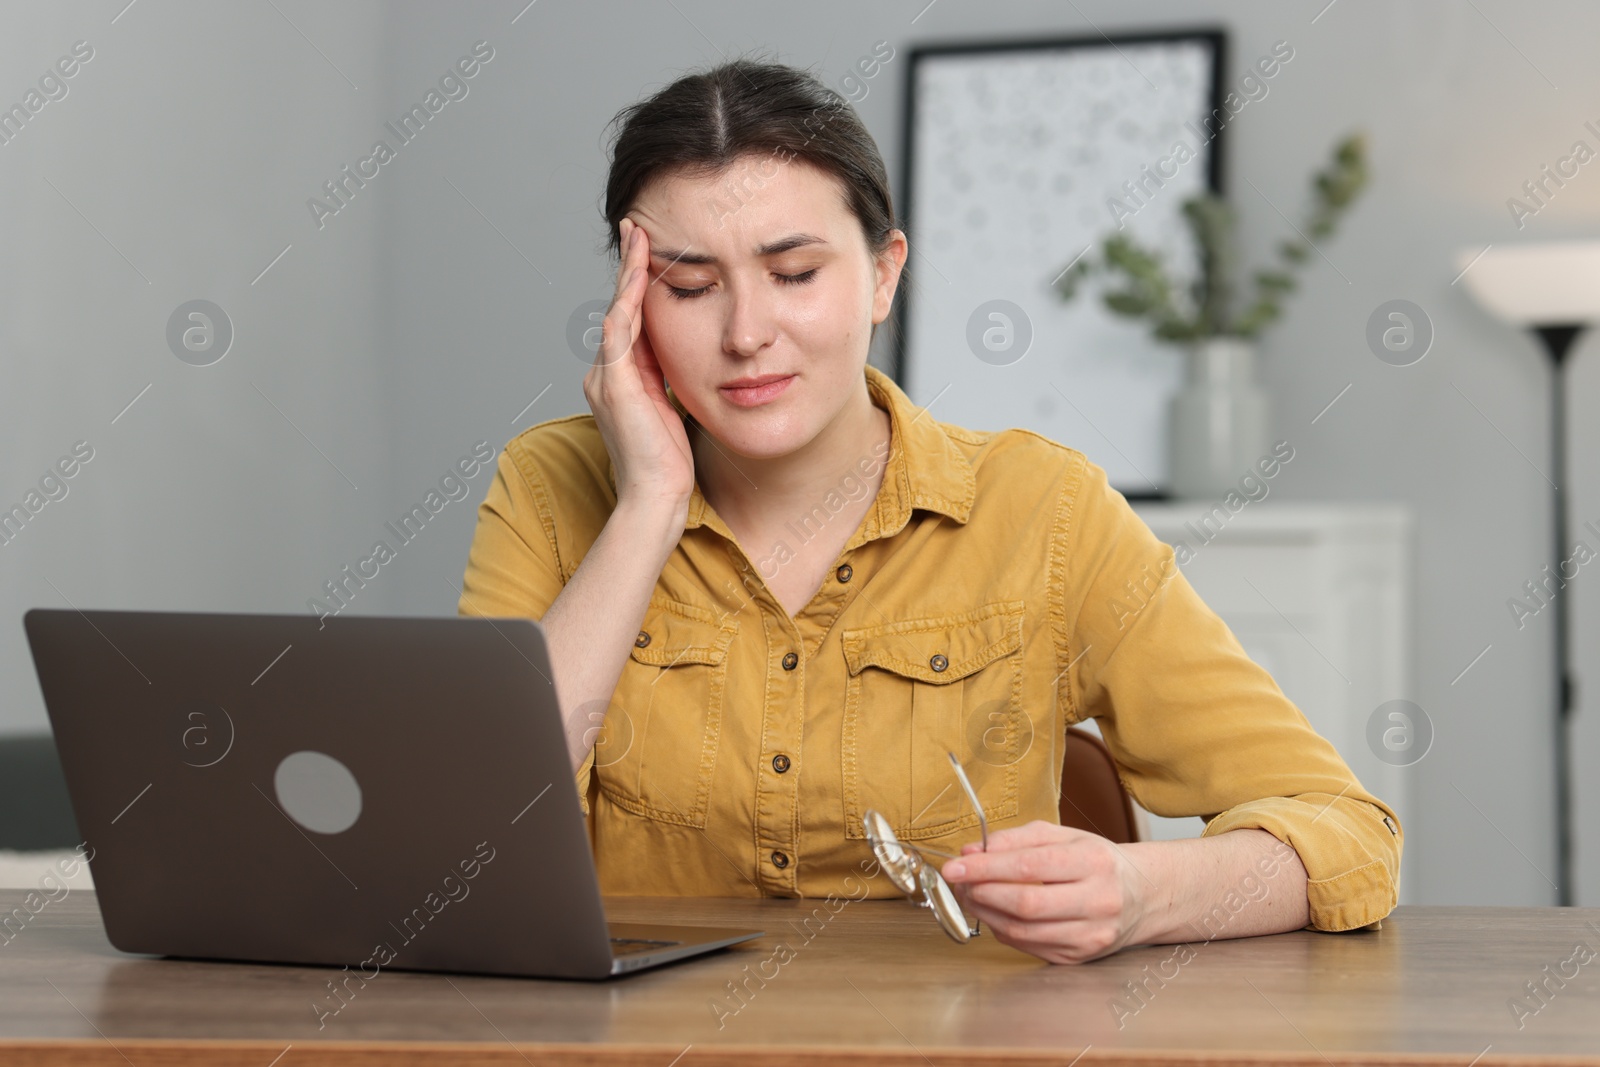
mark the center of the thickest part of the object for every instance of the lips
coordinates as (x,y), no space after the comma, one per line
(752,392)
(750,383)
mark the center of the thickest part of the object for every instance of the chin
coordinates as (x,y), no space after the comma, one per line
(760,439)
(755,433)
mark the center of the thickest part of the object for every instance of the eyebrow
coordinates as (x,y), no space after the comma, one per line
(772,248)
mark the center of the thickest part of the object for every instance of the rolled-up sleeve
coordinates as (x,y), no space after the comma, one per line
(1198,728)
(513,566)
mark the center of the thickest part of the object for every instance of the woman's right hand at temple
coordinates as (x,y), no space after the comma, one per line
(627,392)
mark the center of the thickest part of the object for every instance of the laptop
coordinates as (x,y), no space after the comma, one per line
(367,792)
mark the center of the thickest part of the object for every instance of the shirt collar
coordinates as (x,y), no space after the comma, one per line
(925,469)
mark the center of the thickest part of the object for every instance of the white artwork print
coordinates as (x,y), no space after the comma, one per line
(1015,156)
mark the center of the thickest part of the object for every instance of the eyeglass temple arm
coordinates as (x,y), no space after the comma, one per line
(972,795)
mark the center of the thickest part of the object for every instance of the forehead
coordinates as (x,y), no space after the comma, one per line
(749,203)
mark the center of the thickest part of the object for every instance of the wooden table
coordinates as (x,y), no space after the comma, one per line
(877,980)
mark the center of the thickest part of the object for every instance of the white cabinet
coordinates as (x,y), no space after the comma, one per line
(1319,595)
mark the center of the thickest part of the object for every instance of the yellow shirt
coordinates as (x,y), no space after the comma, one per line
(997,591)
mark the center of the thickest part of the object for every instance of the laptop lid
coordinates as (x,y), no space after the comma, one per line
(377,792)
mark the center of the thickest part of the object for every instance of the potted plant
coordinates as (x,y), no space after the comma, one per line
(1219,423)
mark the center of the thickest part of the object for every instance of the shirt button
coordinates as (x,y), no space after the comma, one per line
(790,660)
(844,572)
(642,640)
(779,860)
(780,763)
(938,662)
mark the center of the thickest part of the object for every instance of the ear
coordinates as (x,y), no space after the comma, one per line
(888,265)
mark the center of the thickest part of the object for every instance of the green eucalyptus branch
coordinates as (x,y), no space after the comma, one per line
(1205,307)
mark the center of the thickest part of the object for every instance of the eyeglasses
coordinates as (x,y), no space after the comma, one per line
(914,876)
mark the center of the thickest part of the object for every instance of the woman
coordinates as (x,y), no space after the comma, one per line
(785,592)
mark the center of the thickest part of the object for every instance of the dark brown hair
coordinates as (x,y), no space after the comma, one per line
(703,122)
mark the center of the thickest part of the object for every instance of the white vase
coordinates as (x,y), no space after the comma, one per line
(1219,420)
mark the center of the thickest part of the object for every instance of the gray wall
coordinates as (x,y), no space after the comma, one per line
(412,326)
(176,168)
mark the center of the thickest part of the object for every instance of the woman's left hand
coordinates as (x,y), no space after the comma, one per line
(1062,894)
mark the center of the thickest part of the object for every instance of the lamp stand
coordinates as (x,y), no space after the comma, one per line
(1558,340)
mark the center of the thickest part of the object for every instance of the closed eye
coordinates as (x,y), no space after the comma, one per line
(783,279)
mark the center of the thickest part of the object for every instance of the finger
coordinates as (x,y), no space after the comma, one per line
(625,267)
(649,368)
(1049,902)
(1003,924)
(1017,928)
(634,236)
(1034,834)
(1070,941)
(622,323)
(604,354)
(635,255)
(639,258)
(625,230)
(1030,835)
(642,250)
(1058,861)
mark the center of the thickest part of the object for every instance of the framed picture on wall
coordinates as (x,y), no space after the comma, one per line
(1020,157)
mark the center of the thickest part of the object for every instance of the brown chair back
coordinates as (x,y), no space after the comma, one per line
(1092,797)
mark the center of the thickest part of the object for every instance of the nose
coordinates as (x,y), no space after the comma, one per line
(750,325)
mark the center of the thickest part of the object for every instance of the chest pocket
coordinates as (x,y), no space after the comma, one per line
(919,689)
(655,755)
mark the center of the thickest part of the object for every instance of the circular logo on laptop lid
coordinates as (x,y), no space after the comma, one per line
(318,792)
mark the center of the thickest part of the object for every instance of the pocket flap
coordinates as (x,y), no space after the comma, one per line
(938,650)
(675,633)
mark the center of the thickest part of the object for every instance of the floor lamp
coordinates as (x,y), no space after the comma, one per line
(1552,288)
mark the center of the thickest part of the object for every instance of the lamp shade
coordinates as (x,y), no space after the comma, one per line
(1542,284)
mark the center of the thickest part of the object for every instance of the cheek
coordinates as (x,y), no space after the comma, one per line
(676,329)
(832,313)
